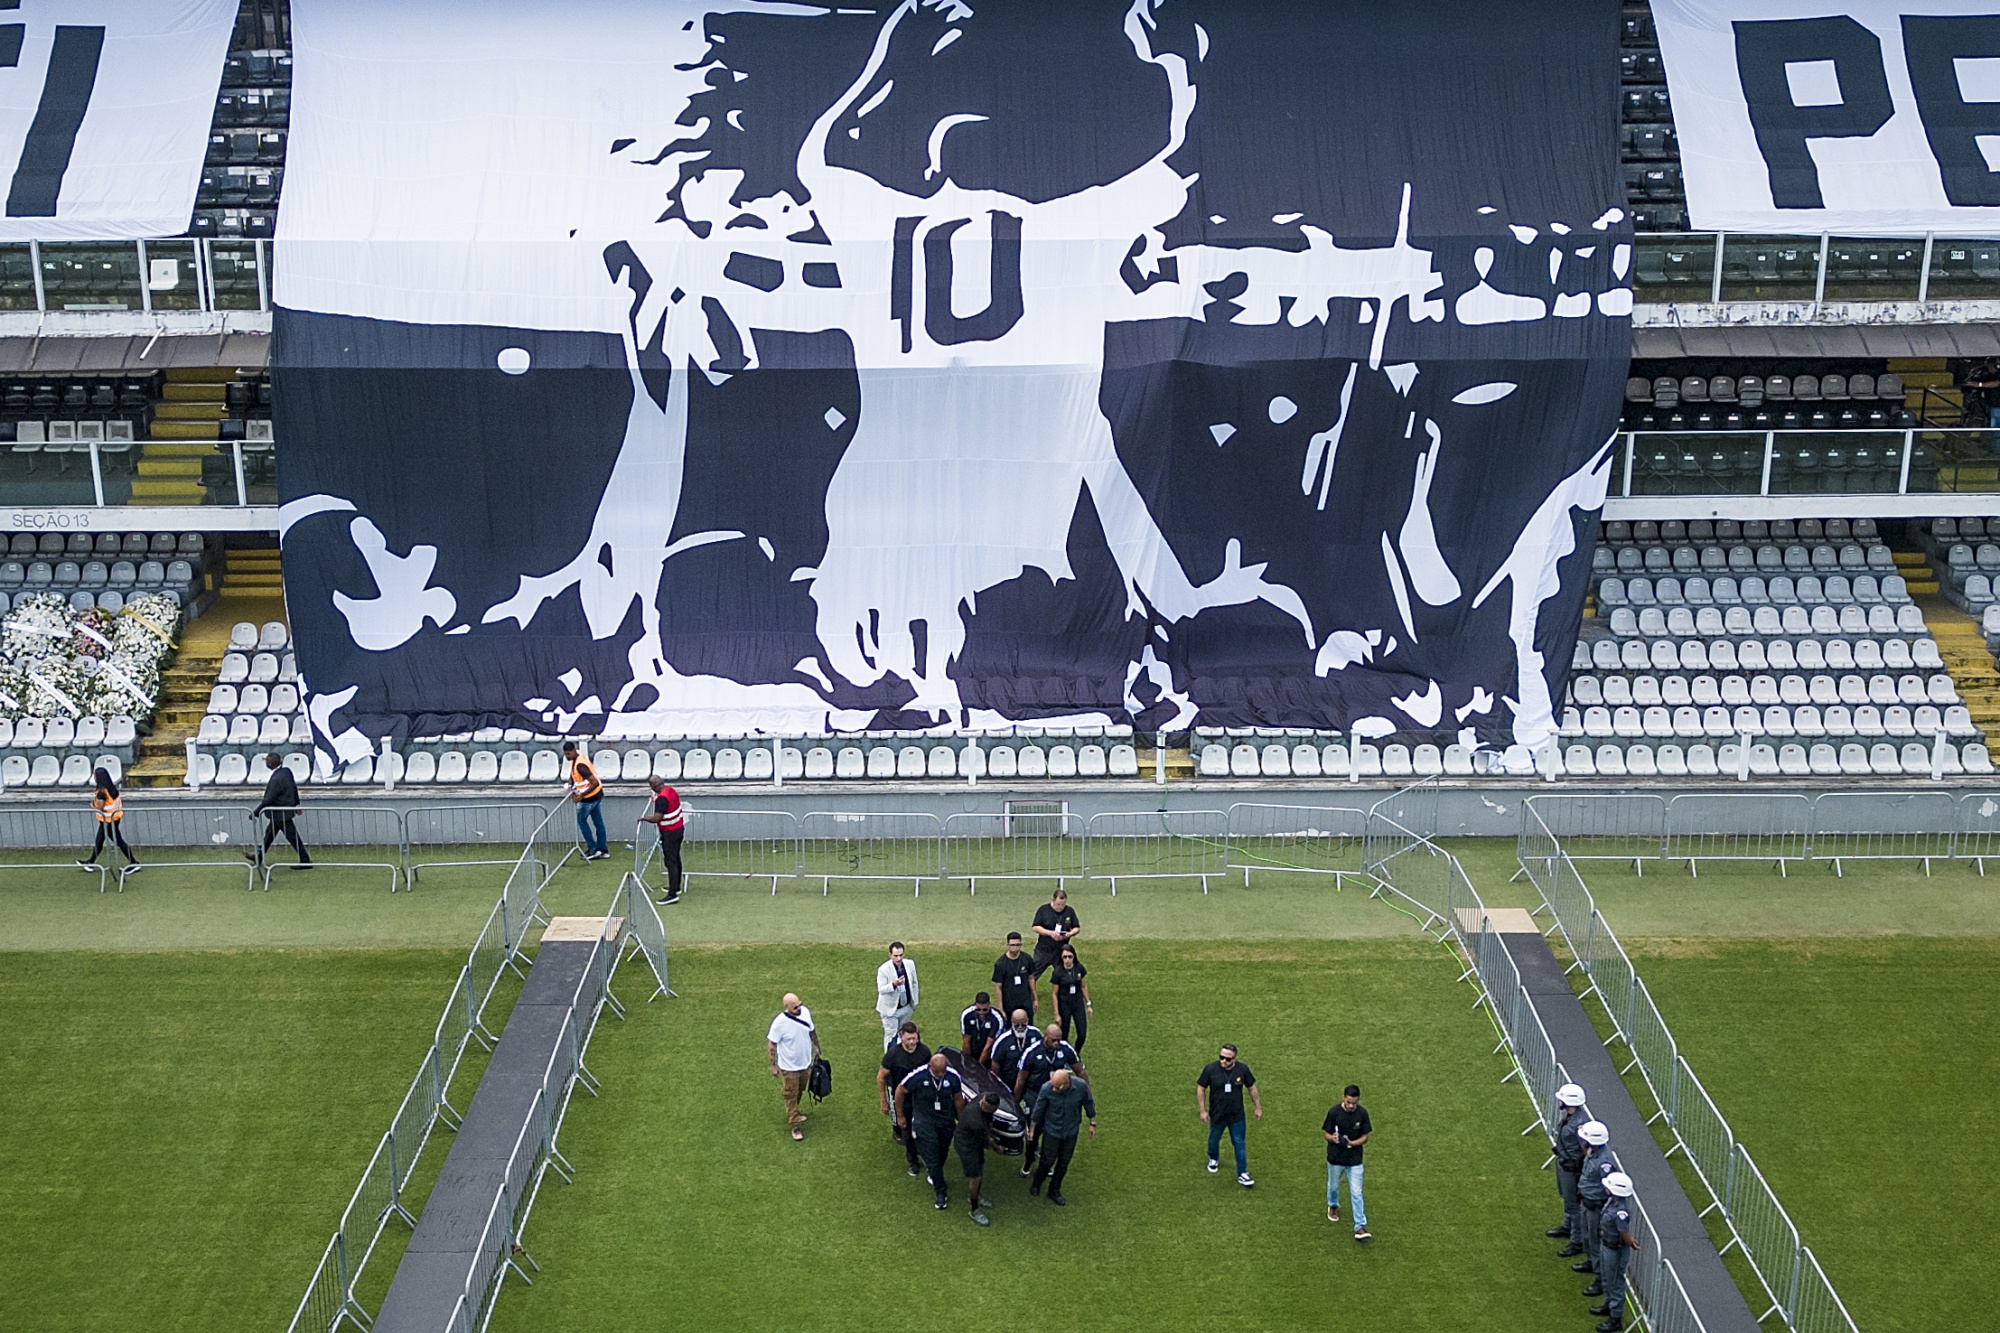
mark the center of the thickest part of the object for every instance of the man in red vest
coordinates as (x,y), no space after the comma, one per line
(664,813)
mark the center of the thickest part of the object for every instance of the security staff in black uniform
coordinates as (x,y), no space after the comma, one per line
(1014,974)
(927,1105)
(1570,1152)
(979,1025)
(1615,1246)
(974,1123)
(1012,1046)
(1052,1054)
(1597,1164)
(905,1056)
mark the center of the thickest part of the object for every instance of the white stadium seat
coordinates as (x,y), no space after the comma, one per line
(757,764)
(698,765)
(359,773)
(420,768)
(1003,761)
(452,766)
(819,764)
(942,761)
(232,770)
(667,765)
(1062,761)
(881,762)
(1090,761)
(482,766)
(1214,761)
(514,766)
(636,765)
(609,768)
(728,764)
(851,762)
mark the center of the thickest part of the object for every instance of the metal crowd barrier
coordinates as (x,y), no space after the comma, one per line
(1010,846)
(1163,844)
(1758,1224)
(339,826)
(1296,839)
(1752,826)
(69,832)
(740,844)
(646,932)
(498,825)
(1609,827)
(871,846)
(1883,826)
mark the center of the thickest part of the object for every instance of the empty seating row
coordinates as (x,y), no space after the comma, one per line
(173,575)
(61,733)
(263,667)
(1946,530)
(83,599)
(263,730)
(1824,759)
(1338,759)
(282,697)
(75,770)
(69,435)
(245,637)
(106,546)
(1754,590)
(1683,622)
(1689,721)
(1741,558)
(1757,654)
(1754,390)
(1704,690)
(1728,530)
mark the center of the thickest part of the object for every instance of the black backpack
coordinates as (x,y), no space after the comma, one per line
(819,1080)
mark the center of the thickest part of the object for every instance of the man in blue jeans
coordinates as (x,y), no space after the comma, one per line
(1218,1096)
(1347,1127)
(588,793)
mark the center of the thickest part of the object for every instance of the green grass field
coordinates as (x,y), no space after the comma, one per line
(196,1075)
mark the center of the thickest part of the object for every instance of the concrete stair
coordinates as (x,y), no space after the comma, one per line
(191,403)
(161,757)
(1928,386)
(170,473)
(1916,572)
(255,572)
(1964,650)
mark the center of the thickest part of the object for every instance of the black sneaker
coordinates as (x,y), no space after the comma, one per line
(1027,1170)
(134,868)
(1058,1200)
(1611,1325)
(916,1170)
(1035,1188)
(1600,1310)
(1558,1233)
(941,1203)
(1594,1289)
(1584,1267)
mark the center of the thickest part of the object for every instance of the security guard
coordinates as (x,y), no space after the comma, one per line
(1570,1153)
(928,1101)
(1036,1066)
(1012,1046)
(1615,1245)
(1597,1164)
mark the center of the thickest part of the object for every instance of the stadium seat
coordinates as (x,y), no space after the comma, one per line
(235,669)
(420,768)
(1214,761)
(1426,761)
(251,699)
(1031,761)
(1579,761)
(635,765)
(359,773)
(942,761)
(301,732)
(513,767)
(1610,761)
(274,637)
(242,637)
(912,762)
(1366,759)
(452,766)
(726,765)
(698,764)
(244,729)
(200,772)
(1122,761)
(972,762)
(1062,761)
(222,699)
(756,764)
(231,770)
(482,766)
(1975,758)
(275,730)
(1334,760)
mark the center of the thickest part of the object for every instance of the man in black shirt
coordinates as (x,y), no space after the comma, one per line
(1218,1096)
(1014,974)
(279,806)
(980,1025)
(928,1101)
(1347,1127)
(1037,1065)
(974,1123)
(905,1055)
(1012,1046)
(1054,925)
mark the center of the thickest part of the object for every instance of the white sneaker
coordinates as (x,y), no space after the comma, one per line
(1213,1166)
(1244,1180)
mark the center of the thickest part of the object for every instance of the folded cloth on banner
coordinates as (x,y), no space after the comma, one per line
(737,367)
(105,112)
(1860,118)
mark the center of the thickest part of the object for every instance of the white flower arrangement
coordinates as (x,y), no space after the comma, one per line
(58,663)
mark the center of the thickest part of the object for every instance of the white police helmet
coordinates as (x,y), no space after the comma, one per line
(1619,1184)
(1570,1094)
(1594,1133)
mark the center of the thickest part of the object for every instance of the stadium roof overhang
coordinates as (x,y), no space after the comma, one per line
(135,353)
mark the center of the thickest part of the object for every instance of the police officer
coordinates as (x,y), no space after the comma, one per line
(1597,1164)
(1570,1152)
(1615,1245)
(1036,1066)
(928,1101)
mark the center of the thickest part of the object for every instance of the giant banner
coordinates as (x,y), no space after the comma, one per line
(678,367)
(1862,118)
(105,108)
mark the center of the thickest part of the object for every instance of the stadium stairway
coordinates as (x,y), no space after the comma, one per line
(184,429)
(1963,648)
(1929,388)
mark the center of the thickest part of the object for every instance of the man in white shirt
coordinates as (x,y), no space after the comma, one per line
(794,1045)
(895,992)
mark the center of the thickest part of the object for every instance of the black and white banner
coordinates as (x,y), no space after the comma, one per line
(1863,118)
(105,107)
(679,367)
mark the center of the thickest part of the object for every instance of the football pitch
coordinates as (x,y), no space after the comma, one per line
(196,1075)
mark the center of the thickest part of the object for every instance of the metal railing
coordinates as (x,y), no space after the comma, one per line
(1758,1224)
(1778,828)
(1296,839)
(1161,844)
(1004,845)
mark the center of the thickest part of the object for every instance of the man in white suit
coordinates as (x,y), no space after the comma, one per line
(895,992)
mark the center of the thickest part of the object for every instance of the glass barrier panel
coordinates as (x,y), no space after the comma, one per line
(1770,268)
(1697,462)
(1836,462)
(1947,461)
(17,278)
(172,279)
(91,277)
(1673,268)
(1862,270)
(36,470)
(234,269)
(1964,270)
